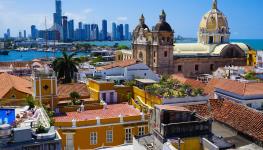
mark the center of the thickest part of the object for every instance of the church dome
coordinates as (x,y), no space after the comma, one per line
(141,25)
(213,28)
(162,25)
(214,21)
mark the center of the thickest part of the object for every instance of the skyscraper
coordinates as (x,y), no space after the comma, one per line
(33,32)
(71,30)
(94,32)
(58,14)
(65,28)
(80,25)
(114,32)
(104,30)
(87,31)
(20,35)
(127,33)
(8,33)
(24,34)
(120,35)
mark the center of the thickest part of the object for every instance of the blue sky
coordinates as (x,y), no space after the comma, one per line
(245,17)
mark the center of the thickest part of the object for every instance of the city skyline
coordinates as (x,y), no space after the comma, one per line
(243,24)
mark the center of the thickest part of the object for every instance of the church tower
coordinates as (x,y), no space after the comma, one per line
(162,46)
(213,28)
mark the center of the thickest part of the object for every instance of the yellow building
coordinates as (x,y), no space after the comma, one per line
(13,89)
(251,58)
(111,126)
(107,91)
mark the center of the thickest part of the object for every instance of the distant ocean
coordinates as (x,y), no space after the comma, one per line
(256,44)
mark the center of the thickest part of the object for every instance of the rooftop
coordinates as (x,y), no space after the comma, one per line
(120,64)
(240,117)
(64,90)
(112,111)
(10,81)
(146,81)
(171,107)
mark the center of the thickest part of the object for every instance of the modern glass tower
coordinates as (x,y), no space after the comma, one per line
(127,34)
(58,14)
(104,29)
(65,28)
(114,32)
(33,32)
(71,30)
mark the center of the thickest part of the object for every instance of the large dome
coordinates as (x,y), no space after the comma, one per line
(213,27)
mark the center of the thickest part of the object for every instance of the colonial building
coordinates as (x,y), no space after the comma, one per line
(157,49)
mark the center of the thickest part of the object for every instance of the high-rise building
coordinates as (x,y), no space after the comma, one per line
(71,30)
(24,34)
(104,30)
(8,33)
(20,35)
(120,35)
(114,32)
(127,33)
(58,14)
(80,25)
(65,28)
(87,31)
(33,32)
(94,32)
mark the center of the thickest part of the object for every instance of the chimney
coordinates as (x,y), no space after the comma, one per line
(121,118)
(98,120)
(74,121)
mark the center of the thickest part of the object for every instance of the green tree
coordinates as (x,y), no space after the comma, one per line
(74,96)
(66,66)
(96,60)
(30,102)
(122,47)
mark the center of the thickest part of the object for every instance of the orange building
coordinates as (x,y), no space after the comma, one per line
(111,126)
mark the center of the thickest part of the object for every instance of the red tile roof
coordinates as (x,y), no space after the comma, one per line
(192,82)
(237,87)
(64,90)
(7,82)
(112,111)
(124,63)
(240,117)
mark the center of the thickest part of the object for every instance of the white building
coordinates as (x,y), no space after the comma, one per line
(126,70)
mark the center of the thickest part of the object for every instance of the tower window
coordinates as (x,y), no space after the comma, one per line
(212,67)
(179,68)
(154,54)
(140,56)
(196,67)
(222,39)
(211,39)
(165,54)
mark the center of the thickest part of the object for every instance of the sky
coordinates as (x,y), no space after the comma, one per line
(245,17)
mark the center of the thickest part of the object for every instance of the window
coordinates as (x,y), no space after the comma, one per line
(212,67)
(196,67)
(111,97)
(145,74)
(69,142)
(109,136)
(222,39)
(141,131)
(165,54)
(249,105)
(13,97)
(211,40)
(154,60)
(179,68)
(128,135)
(104,96)
(93,138)
(140,56)
(154,54)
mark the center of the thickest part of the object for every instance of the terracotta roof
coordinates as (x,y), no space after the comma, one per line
(65,89)
(240,117)
(112,111)
(240,88)
(210,87)
(124,63)
(10,81)
(171,107)
(192,82)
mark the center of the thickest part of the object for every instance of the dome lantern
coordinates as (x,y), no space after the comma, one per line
(214,4)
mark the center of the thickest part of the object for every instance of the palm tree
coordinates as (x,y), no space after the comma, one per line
(66,66)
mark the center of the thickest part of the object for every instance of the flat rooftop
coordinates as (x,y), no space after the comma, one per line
(111,111)
(146,81)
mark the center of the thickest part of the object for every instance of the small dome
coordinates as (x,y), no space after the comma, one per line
(141,25)
(162,25)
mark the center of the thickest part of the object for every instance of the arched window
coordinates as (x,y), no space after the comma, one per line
(140,56)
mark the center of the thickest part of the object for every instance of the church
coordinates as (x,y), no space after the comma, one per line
(157,48)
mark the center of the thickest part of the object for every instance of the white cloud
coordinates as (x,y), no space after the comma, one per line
(88,11)
(122,19)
